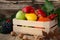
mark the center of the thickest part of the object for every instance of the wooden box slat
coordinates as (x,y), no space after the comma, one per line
(27,30)
(47,24)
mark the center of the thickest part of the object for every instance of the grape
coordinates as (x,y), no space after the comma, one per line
(6,27)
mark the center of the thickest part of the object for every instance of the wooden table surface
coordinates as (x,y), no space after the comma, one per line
(9,37)
(6,37)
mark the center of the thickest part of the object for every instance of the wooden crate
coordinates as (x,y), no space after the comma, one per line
(48,26)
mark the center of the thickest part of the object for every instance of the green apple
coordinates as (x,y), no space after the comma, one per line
(20,15)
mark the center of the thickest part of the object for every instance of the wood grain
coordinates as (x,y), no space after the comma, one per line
(6,37)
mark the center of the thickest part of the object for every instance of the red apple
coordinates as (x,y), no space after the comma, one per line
(40,12)
(28,9)
(52,16)
(32,11)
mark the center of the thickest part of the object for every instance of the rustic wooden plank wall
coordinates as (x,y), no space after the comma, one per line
(20,4)
(15,5)
(9,7)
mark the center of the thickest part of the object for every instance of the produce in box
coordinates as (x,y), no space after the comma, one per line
(44,19)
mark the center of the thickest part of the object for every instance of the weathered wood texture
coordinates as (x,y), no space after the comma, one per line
(8,7)
(43,26)
(12,6)
(6,37)
(20,4)
(9,37)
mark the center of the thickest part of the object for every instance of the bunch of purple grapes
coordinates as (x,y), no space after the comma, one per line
(6,26)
